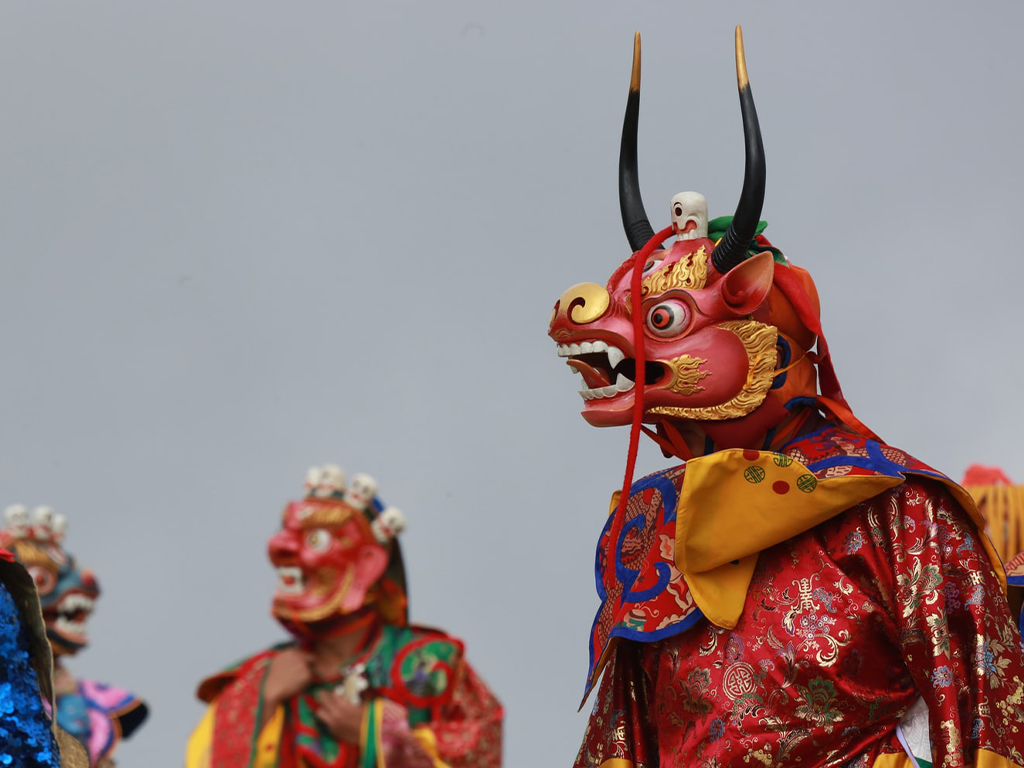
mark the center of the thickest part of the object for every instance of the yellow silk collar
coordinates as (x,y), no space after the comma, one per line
(736,503)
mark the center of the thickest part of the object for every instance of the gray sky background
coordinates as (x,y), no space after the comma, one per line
(239,239)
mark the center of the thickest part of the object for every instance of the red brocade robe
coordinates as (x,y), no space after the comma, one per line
(790,608)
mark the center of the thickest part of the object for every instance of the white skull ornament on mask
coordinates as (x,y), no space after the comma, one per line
(59,528)
(388,524)
(325,482)
(690,215)
(42,524)
(361,491)
(16,517)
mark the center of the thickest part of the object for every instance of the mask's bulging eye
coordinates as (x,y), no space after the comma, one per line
(669,318)
(45,580)
(319,540)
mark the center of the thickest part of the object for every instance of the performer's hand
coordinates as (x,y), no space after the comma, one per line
(290,673)
(343,718)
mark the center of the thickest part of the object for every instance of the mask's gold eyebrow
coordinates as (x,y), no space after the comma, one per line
(32,554)
(324,516)
(689,273)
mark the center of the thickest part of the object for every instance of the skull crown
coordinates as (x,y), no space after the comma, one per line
(328,482)
(41,525)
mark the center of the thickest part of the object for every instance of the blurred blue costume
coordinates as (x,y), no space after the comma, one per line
(25,735)
(28,737)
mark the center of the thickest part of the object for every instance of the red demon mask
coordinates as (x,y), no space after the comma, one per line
(723,324)
(333,552)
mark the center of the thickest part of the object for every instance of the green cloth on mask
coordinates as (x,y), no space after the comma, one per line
(717,228)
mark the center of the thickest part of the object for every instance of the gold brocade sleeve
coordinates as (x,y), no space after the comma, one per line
(953,625)
(619,733)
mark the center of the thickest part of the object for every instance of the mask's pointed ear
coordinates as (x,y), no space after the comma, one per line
(745,287)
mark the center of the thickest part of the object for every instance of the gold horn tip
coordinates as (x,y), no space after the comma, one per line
(741,60)
(634,80)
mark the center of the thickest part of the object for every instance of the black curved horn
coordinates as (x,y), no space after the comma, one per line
(732,249)
(634,217)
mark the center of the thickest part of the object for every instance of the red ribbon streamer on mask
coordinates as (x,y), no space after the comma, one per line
(638,388)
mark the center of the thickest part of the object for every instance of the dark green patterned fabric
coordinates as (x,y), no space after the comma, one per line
(717,228)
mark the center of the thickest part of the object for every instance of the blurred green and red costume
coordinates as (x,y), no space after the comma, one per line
(450,711)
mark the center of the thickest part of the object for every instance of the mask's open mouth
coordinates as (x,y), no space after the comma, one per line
(313,596)
(68,618)
(606,371)
(290,580)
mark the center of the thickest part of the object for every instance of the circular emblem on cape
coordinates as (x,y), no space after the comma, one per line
(781,460)
(753,474)
(807,483)
(739,679)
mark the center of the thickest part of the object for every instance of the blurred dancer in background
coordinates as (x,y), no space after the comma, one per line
(98,716)
(358,686)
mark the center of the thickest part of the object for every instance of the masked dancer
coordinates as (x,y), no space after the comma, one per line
(796,592)
(357,686)
(95,714)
